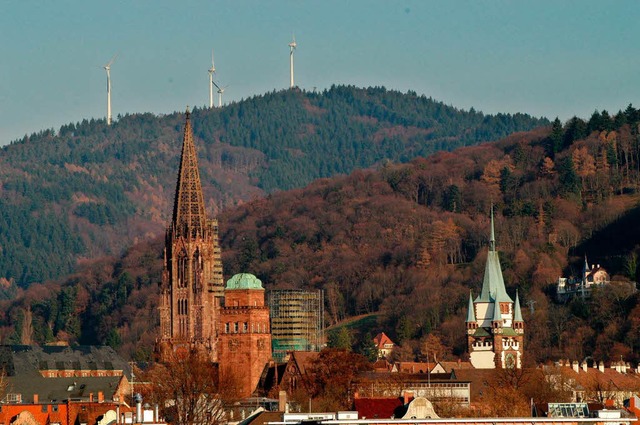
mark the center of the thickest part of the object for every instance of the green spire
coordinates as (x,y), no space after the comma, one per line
(517,314)
(471,314)
(497,314)
(492,238)
(493,289)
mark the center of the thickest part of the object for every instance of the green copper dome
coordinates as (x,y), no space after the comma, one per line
(244,281)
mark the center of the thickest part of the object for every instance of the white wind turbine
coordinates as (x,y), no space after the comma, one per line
(292,47)
(107,68)
(220,91)
(212,70)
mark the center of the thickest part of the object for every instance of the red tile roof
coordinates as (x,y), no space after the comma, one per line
(381,339)
(415,367)
(448,366)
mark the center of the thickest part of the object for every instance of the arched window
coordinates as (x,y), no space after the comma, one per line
(195,270)
(182,269)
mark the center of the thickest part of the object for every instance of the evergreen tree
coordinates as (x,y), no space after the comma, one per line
(340,338)
(568,178)
(367,347)
(556,137)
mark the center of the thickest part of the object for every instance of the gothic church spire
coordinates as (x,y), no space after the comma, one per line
(189,217)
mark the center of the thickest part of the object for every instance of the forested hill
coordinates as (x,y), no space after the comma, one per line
(408,242)
(90,189)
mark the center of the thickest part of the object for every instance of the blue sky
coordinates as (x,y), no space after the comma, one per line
(551,58)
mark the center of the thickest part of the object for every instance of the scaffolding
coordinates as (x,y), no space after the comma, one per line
(297,321)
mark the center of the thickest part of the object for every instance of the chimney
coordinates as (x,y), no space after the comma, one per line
(138,399)
(407,396)
(35,399)
(282,401)
(601,366)
(100,397)
(584,366)
(90,397)
(575,367)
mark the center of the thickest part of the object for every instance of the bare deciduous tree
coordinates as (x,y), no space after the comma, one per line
(187,389)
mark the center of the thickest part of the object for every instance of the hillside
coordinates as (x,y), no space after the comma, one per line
(90,189)
(408,242)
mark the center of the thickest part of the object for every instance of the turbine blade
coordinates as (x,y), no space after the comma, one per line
(112,59)
(217,86)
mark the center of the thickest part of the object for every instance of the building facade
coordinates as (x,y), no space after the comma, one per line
(192,283)
(495,329)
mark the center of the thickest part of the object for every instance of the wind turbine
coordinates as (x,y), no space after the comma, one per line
(292,47)
(220,91)
(212,70)
(107,68)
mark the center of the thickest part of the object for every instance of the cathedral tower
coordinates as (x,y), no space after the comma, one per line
(495,329)
(192,284)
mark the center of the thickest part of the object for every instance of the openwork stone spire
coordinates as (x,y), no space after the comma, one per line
(192,285)
(189,217)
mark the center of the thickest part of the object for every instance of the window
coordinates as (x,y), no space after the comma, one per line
(44,408)
(54,408)
(226,328)
(245,327)
(14,398)
(235,327)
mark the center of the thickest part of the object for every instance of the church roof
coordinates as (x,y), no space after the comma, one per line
(517,314)
(509,332)
(481,332)
(493,289)
(189,216)
(497,314)
(244,281)
(471,314)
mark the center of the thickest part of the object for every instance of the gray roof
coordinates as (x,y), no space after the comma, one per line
(24,365)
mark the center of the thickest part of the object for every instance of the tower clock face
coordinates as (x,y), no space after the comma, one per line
(510,361)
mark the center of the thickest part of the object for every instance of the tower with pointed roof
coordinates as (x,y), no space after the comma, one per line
(192,285)
(495,329)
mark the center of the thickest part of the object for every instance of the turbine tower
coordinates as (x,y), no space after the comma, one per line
(212,70)
(107,68)
(292,47)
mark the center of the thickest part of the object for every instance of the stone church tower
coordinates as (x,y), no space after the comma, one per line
(495,329)
(192,283)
